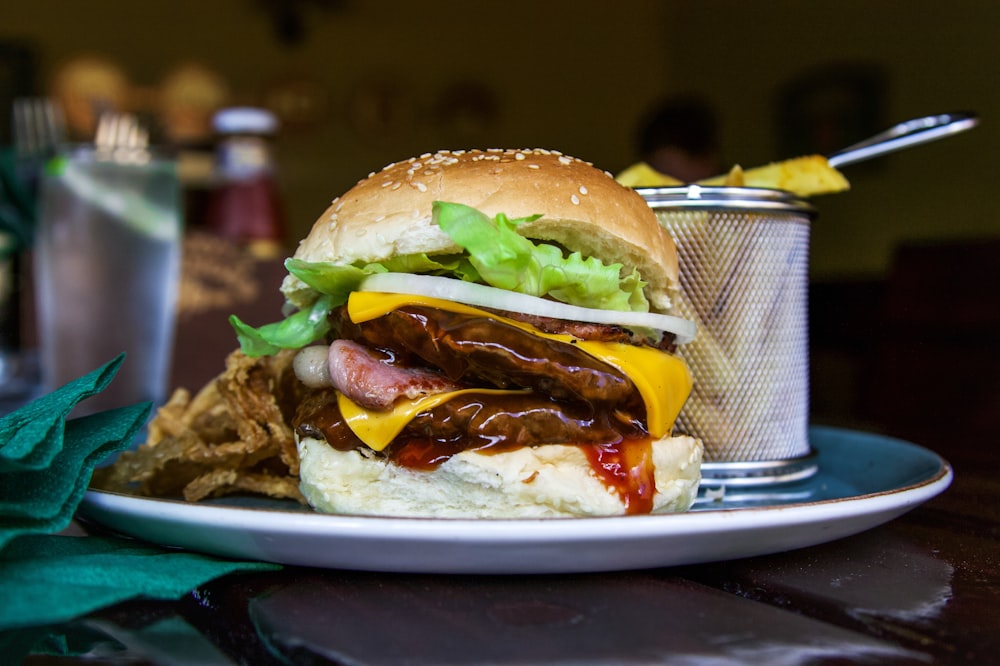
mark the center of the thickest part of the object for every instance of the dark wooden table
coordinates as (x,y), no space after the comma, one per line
(924,588)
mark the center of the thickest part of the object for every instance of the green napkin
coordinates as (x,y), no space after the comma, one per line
(166,640)
(32,436)
(46,579)
(44,500)
(46,463)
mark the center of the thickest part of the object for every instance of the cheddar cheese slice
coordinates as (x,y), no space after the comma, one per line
(663,380)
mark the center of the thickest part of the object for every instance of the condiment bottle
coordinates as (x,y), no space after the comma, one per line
(246,206)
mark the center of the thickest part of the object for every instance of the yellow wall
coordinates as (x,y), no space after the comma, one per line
(576,76)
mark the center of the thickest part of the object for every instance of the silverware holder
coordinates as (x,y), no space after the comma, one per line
(744,263)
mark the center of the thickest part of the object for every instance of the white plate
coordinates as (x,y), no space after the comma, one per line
(863,480)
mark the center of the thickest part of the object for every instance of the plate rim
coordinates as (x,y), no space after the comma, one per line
(498,531)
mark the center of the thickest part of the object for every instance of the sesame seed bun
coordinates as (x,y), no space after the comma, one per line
(583,209)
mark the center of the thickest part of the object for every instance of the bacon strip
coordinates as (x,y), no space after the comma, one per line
(373,382)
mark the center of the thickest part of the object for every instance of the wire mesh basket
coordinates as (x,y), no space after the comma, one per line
(744,261)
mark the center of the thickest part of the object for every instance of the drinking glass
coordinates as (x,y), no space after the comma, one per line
(107,262)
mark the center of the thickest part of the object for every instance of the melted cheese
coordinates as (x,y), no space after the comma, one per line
(378,428)
(663,380)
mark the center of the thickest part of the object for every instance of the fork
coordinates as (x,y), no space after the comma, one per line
(120,137)
(38,129)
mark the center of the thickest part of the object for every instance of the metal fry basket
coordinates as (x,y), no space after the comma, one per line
(744,261)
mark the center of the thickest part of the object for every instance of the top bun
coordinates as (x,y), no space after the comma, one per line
(583,209)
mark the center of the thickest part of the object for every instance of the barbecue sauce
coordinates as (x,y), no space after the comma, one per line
(626,466)
(617,447)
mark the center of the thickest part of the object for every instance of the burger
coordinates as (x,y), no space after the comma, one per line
(487,334)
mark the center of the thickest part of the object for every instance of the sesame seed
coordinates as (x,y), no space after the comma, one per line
(564,160)
(575,199)
(583,189)
(533,166)
(519,156)
(421,186)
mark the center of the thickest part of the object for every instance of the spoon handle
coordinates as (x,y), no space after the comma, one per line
(905,134)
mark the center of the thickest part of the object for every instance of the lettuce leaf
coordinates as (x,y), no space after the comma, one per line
(510,261)
(456,266)
(333,283)
(334,280)
(297,330)
(339,280)
(495,254)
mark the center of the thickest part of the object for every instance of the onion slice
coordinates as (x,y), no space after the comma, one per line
(471,293)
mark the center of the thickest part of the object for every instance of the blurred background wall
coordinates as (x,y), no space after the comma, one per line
(360,84)
(363,83)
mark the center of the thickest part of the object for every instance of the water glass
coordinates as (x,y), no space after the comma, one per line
(107,263)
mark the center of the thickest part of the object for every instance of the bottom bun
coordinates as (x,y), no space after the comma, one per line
(533,482)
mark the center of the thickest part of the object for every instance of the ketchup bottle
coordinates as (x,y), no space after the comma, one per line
(245,206)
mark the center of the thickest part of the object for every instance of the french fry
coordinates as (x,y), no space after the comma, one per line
(641,174)
(805,176)
(735,177)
